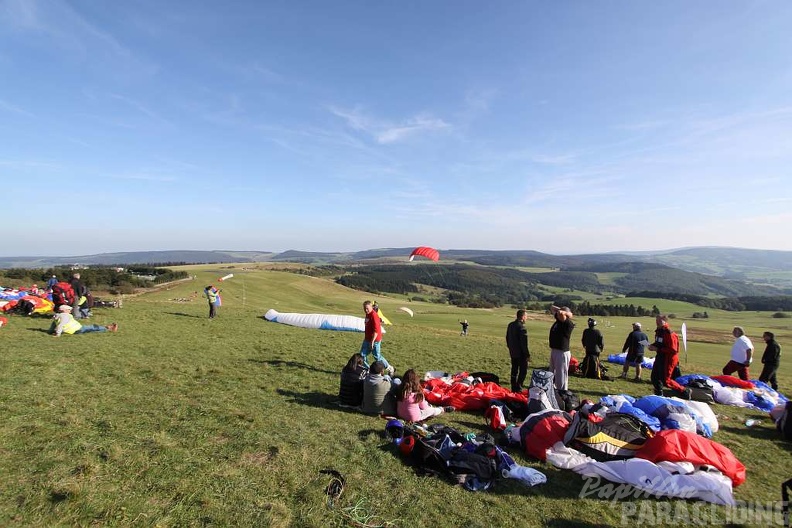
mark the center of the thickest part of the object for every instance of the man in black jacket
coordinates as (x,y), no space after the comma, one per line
(771,359)
(517,342)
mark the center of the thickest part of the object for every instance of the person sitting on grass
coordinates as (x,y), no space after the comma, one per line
(411,406)
(65,323)
(376,387)
(350,393)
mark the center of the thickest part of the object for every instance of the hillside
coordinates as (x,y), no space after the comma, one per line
(695,271)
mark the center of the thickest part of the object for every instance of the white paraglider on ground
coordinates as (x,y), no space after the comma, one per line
(344,323)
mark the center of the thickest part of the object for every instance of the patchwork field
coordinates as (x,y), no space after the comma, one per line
(178,420)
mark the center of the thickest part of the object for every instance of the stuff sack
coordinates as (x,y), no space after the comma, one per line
(617,436)
(62,293)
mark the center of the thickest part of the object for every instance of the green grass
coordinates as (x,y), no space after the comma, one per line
(177,420)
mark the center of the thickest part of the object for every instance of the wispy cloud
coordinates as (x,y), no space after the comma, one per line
(8,107)
(385,132)
(140,107)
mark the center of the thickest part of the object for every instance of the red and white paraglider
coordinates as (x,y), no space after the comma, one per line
(425,251)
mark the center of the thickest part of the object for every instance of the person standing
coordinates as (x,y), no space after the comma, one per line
(593,345)
(741,354)
(666,344)
(771,359)
(372,339)
(517,343)
(560,333)
(212,294)
(464,327)
(634,346)
(79,291)
(52,282)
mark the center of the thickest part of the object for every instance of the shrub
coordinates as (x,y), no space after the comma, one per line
(781,315)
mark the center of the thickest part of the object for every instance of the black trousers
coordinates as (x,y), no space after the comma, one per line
(519,370)
(768,375)
(212,310)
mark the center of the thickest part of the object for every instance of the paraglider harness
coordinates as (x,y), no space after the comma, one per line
(63,293)
(474,462)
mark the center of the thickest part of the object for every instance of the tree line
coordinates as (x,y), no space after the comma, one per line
(105,278)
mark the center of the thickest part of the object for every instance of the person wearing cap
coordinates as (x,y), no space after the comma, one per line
(634,346)
(560,333)
(465,325)
(517,343)
(52,281)
(593,345)
(741,354)
(65,323)
(666,344)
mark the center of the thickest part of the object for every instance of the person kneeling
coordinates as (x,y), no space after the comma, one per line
(411,405)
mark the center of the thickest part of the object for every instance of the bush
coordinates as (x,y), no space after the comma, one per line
(781,315)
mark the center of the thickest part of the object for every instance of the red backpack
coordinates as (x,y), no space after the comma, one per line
(63,293)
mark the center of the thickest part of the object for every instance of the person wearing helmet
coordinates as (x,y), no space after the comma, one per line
(634,345)
(593,344)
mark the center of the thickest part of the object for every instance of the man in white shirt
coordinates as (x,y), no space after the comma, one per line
(741,355)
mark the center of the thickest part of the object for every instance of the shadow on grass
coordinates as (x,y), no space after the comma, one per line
(766,431)
(321,400)
(42,330)
(182,314)
(292,364)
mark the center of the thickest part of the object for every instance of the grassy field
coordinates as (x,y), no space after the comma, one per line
(178,420)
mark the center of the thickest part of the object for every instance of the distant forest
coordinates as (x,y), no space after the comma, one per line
(95,278)
(485,287)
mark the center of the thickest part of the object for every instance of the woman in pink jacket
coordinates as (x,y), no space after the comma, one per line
(411,406)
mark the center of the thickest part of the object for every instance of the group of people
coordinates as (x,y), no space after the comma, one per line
(373,388)
(665,345)
(560,354)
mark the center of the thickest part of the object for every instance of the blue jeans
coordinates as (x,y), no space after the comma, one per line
(91,328)
(365,350)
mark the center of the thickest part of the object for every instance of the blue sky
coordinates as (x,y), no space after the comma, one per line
(563,127)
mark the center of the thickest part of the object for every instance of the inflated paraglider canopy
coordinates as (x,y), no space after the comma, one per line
(407,310)
(348,323)
(425,251)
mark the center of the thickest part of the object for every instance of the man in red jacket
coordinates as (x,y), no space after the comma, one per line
(666,345)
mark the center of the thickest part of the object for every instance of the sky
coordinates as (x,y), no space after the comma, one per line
(563,127)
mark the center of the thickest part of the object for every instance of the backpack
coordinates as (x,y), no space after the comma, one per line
(541,392)
(63,293)
(616,437)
